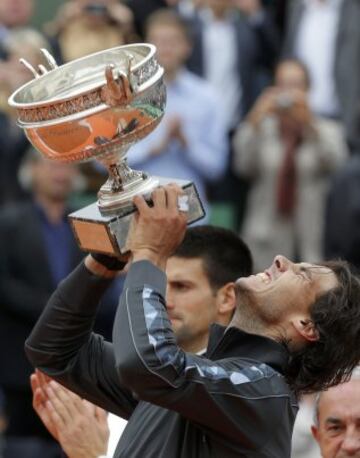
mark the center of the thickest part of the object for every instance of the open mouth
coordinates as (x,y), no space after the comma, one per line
(265,277)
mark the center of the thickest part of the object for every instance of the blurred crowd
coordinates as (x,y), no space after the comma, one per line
(263,114)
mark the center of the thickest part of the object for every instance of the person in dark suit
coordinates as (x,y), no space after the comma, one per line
(249,40)
(37,250)
(329,55)
(342,217)
(235,46)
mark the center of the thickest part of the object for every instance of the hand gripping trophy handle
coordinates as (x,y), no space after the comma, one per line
(97,107)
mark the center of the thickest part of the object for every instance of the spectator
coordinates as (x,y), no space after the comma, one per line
(337,420)
(342,222)
(37,250)
(79,426)
(289,154)
(235,46)
(19,42)
(326,37)
(190,142)
(234,42)
(82,27)
(13,14)
(142,9)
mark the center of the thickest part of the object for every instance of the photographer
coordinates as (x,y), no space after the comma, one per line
(289,154)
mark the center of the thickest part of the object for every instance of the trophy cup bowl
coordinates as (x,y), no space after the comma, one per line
(74,113)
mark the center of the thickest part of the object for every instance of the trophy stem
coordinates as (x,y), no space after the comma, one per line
(122,185)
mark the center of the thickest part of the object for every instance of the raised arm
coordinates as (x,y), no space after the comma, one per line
(63,346)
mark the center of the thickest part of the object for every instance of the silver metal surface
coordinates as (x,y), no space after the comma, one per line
(67,117)
(96,107)
(96,232)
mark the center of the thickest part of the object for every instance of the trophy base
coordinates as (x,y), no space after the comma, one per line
(108,234)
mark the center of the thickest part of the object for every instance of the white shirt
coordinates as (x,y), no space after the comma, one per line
(220,58)
(116,426)
(316,47)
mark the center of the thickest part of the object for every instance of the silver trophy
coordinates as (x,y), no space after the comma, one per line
(96,107)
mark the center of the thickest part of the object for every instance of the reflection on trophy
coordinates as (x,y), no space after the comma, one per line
(97,107)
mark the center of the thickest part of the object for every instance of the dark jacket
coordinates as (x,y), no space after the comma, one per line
(233,403)
(342,219)
(26,285)
(347,51)
(257,49)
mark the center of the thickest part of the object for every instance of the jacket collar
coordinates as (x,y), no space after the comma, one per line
(233,342)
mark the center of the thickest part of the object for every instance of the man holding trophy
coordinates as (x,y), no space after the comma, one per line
(239,400)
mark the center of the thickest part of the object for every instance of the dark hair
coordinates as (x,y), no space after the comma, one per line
(336,316)
(165,16)
(225,256)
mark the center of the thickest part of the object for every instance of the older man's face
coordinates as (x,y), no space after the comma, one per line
(338,428)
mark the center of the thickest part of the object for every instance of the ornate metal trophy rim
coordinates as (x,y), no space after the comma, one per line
(139,82)
(69,110)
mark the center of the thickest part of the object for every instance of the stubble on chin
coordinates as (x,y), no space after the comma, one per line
(244,296)
(246,315)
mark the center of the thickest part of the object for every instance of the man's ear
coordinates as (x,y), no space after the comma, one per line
(305,327)
(226,300)
(315,432)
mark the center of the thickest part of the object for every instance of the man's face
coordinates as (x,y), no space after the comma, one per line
(190,301)
(291,76)
(284,289)
(16,13)
(53,180)
(172,46)
(338,429)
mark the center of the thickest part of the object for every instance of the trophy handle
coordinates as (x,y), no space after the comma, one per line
(49,59)
(119,88)
(42,69)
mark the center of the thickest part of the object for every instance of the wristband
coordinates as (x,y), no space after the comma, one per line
(110,262)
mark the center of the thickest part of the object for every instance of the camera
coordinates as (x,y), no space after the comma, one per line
(284,101)
(96,9)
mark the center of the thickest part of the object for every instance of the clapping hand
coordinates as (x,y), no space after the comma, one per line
(79,426)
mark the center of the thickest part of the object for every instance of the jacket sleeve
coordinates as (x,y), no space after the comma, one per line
(246,151)
(63,346)
(268,39)
(329,145)
(22,299)
(232,398)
